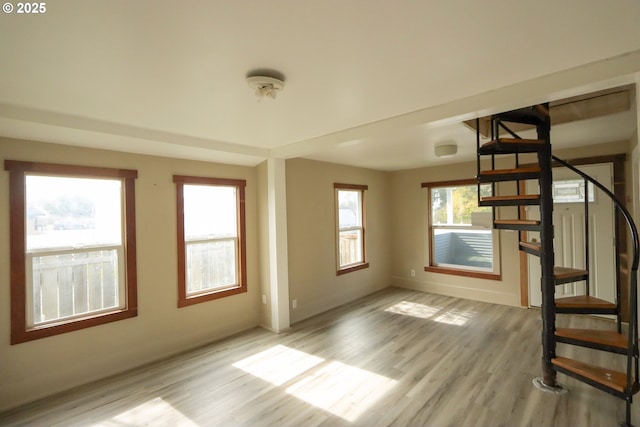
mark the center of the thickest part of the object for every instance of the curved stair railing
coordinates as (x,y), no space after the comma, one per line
(620,384)
(633,379)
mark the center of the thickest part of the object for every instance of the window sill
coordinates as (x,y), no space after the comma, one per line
(465,273)
(44,331)
(210,296)
(352,268)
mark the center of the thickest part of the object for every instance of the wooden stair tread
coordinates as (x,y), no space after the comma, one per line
(514,197)
(534,246)
(517,222)
(528,169)
(583,301)
(607,377)
(512,174)
(560,273)
(595,336)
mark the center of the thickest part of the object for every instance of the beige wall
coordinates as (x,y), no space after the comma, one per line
(311,225)
(41,367)
(620,147)
(409,219)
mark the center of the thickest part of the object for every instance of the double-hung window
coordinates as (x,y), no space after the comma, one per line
(211,238)
(461,238)
(350,219)
(72,239)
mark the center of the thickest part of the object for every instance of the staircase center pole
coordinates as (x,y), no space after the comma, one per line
(547,258)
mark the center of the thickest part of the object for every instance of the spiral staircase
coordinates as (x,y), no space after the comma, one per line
(506,147)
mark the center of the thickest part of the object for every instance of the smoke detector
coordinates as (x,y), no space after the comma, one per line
(265,86)
(446,150)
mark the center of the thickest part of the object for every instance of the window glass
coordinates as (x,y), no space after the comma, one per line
(74,238)
(455,241)
(350,234)
(70,284)
(211,228)
(211,243)
(72,212)
(350,247)
(209,211)
(454,205)
(349,204)
(571,191)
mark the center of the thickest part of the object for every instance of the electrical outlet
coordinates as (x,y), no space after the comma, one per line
(294,304)
(264,299)
(413,273)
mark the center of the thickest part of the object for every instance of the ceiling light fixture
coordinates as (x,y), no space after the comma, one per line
(446,150)
(265,86)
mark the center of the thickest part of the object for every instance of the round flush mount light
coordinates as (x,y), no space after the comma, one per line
(265,86)
(446,150)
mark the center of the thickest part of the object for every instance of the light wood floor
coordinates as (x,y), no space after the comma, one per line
(395,358)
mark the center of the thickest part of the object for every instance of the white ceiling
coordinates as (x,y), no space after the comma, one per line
(372,84)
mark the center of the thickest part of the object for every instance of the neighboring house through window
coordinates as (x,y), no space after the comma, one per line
(350,232)
(461,238)
(211,238)
(73,248)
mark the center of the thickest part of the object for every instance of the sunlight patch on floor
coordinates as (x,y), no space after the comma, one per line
(454,317)
(343,390)
(414,309)
(278,364)
(437,314)
(153,412)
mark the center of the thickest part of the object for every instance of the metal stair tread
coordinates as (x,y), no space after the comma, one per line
(517,224)
(609,378)
(594,338)
(512,145)
(513,174)
(514,197)
(533,115)
(514,200)
(510,171)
